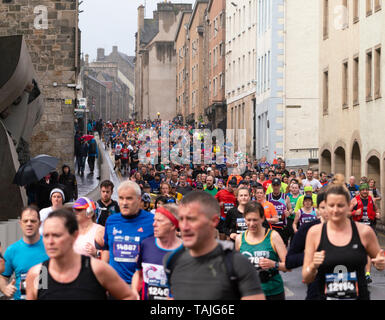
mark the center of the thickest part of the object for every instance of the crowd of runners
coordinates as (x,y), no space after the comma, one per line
(201,231)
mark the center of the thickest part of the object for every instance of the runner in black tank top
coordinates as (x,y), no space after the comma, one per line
(84,287)
(342,274)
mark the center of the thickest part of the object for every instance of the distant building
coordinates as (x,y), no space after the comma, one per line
(241,35)
(199,72)
(108,85)
(155,63)
(216,111)
(182,47)
(287,82)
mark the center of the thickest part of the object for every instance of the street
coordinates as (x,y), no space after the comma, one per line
(294,288)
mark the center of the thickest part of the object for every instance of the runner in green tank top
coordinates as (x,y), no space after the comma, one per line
(265,250)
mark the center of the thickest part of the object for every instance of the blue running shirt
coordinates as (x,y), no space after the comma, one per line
(19,258)
(122,238)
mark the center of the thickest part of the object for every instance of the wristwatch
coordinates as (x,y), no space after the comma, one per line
(277,265)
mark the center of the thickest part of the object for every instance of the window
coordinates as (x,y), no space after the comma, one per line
(222,49)
(369,63)
(325,92)
(222,80)
(377,5)
(356,11)
(326,19)
(369,8)
(346,16)
(377,73)
(356,81)
(345,84)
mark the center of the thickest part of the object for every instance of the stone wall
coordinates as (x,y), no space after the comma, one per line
(49,28)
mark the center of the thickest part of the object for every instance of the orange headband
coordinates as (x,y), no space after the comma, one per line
(169,215)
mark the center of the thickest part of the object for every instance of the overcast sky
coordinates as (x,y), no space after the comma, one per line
(112,23)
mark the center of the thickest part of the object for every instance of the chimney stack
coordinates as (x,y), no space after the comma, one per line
(87,56)
(140,17)
(115,49)
(100,56)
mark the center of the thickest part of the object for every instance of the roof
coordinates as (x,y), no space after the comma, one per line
(128,59)
(196,5)
(96,80)
(149,31)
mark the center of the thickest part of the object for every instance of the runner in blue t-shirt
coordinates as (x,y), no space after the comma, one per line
(22,255)
(150,277)
(124,232)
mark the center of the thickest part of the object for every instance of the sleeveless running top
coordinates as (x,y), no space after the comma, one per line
(84,287)
(263,249)
(280,207)
(342,274)
(307,217)
(83,239)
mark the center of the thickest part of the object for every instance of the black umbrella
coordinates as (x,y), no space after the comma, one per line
(35,169)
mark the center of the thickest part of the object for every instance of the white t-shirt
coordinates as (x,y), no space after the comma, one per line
(118,148)
(43,215)
(314,183)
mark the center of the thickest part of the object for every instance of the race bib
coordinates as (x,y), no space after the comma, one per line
(158,293)
(156,280)
(126,249)
(255,257)
(341,285)
(228,206)
(241,225)
(23,286)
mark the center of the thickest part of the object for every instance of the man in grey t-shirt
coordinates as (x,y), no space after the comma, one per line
(200,271)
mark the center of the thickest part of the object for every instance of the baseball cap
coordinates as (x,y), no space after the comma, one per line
(276,181)
(308,188)
(146,197)
(82,203)
(307,197)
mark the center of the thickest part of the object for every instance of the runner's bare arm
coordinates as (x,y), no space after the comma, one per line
(111,281)
(31,280)
(105,256)
(312,259)
(136,283)
(281,250)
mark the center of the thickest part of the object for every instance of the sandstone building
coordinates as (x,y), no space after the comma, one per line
(155,63)
(50,30)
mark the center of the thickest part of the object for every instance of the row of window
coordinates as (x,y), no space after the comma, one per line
(264,73)
(341,13)
(241,71)
(217,24)
(372,79)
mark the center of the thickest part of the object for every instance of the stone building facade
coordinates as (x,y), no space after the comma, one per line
(198,72)
(216,111)
(182,65)
(50,30)
(155,63)
(351,75)
(241,35)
